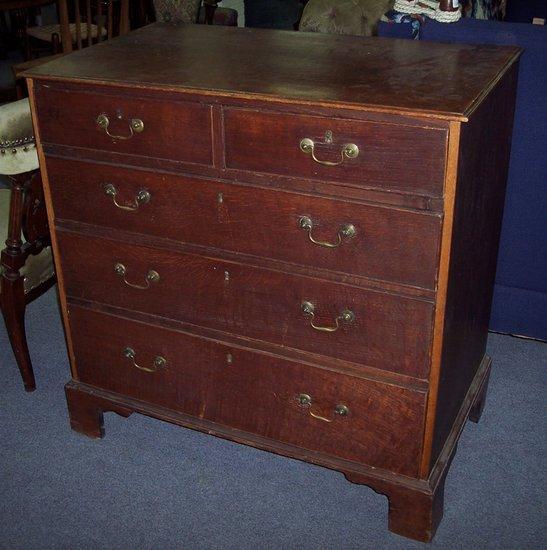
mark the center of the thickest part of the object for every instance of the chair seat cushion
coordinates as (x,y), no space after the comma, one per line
(37,269)
(46,32)
(17,147)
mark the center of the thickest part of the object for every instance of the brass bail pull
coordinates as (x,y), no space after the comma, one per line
(159,362)
(136,126)
(346,316)
(142,197)
(151,277)
(305,400)
(348,150)
(346,232)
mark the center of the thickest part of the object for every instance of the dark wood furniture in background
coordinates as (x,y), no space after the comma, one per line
(20,11)
(296,251)
(87,22)
(83,23)
(12,35)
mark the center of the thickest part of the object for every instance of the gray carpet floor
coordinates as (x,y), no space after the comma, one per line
(151,485)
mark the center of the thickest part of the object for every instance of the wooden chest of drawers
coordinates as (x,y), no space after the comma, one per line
(286,240)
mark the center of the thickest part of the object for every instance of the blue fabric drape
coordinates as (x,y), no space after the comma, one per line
(520,294)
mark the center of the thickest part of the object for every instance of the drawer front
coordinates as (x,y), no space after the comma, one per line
(388,244)
(390,156)
(250,391)
(366,327)
(172,130)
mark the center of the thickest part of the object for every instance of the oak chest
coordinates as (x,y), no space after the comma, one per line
(285,239)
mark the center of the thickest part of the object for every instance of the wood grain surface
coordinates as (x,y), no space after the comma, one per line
(390,244)
(252,392)
(392,157)
(179,131)
(224,113)
(389,332)
(399,76)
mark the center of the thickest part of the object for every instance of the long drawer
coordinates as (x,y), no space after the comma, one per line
(120,123)
(372,241)
(356,419)
(372,328)
(368,154)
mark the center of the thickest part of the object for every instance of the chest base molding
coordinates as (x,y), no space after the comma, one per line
(415,505)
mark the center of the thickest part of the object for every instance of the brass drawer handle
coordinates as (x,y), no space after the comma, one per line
(305,400)
(349,150)
(136,126)
(347,231)
(142,197)
(346,316)
(151,277)
(159,362)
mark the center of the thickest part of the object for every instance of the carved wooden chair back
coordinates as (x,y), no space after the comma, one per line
(86,22)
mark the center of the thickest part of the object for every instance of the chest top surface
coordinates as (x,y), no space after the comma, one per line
(399,76)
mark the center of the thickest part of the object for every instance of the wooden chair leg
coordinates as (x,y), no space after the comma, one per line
(12,296)
(12,290)
(56,44)
(28,48)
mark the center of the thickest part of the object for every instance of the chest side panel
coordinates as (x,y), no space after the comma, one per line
(479,197)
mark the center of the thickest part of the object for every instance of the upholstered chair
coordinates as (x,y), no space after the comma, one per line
(355,17)
(192,11)
(26,269)
(177,11)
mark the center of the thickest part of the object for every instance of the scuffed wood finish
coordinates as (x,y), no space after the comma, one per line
(394,157)
(389,332)
(220,158)
(390,244)
(252,392)
(375,74)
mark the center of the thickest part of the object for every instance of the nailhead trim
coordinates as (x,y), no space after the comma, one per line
(16,142)
(26,148)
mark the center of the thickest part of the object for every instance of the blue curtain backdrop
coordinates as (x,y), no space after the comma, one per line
(520,294)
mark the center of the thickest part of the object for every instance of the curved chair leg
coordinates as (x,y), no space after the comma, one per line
(12,296)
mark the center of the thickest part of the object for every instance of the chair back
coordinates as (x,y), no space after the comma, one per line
(86,22)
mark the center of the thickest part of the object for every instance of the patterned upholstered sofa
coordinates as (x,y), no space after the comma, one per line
(193,11)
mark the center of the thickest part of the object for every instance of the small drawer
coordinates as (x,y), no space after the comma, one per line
(381,243)
(363,421)
(120,123)
(371,328)
(410,159)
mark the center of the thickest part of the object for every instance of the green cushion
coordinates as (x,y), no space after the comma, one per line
(37,269)
(354,17)
(17,147)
